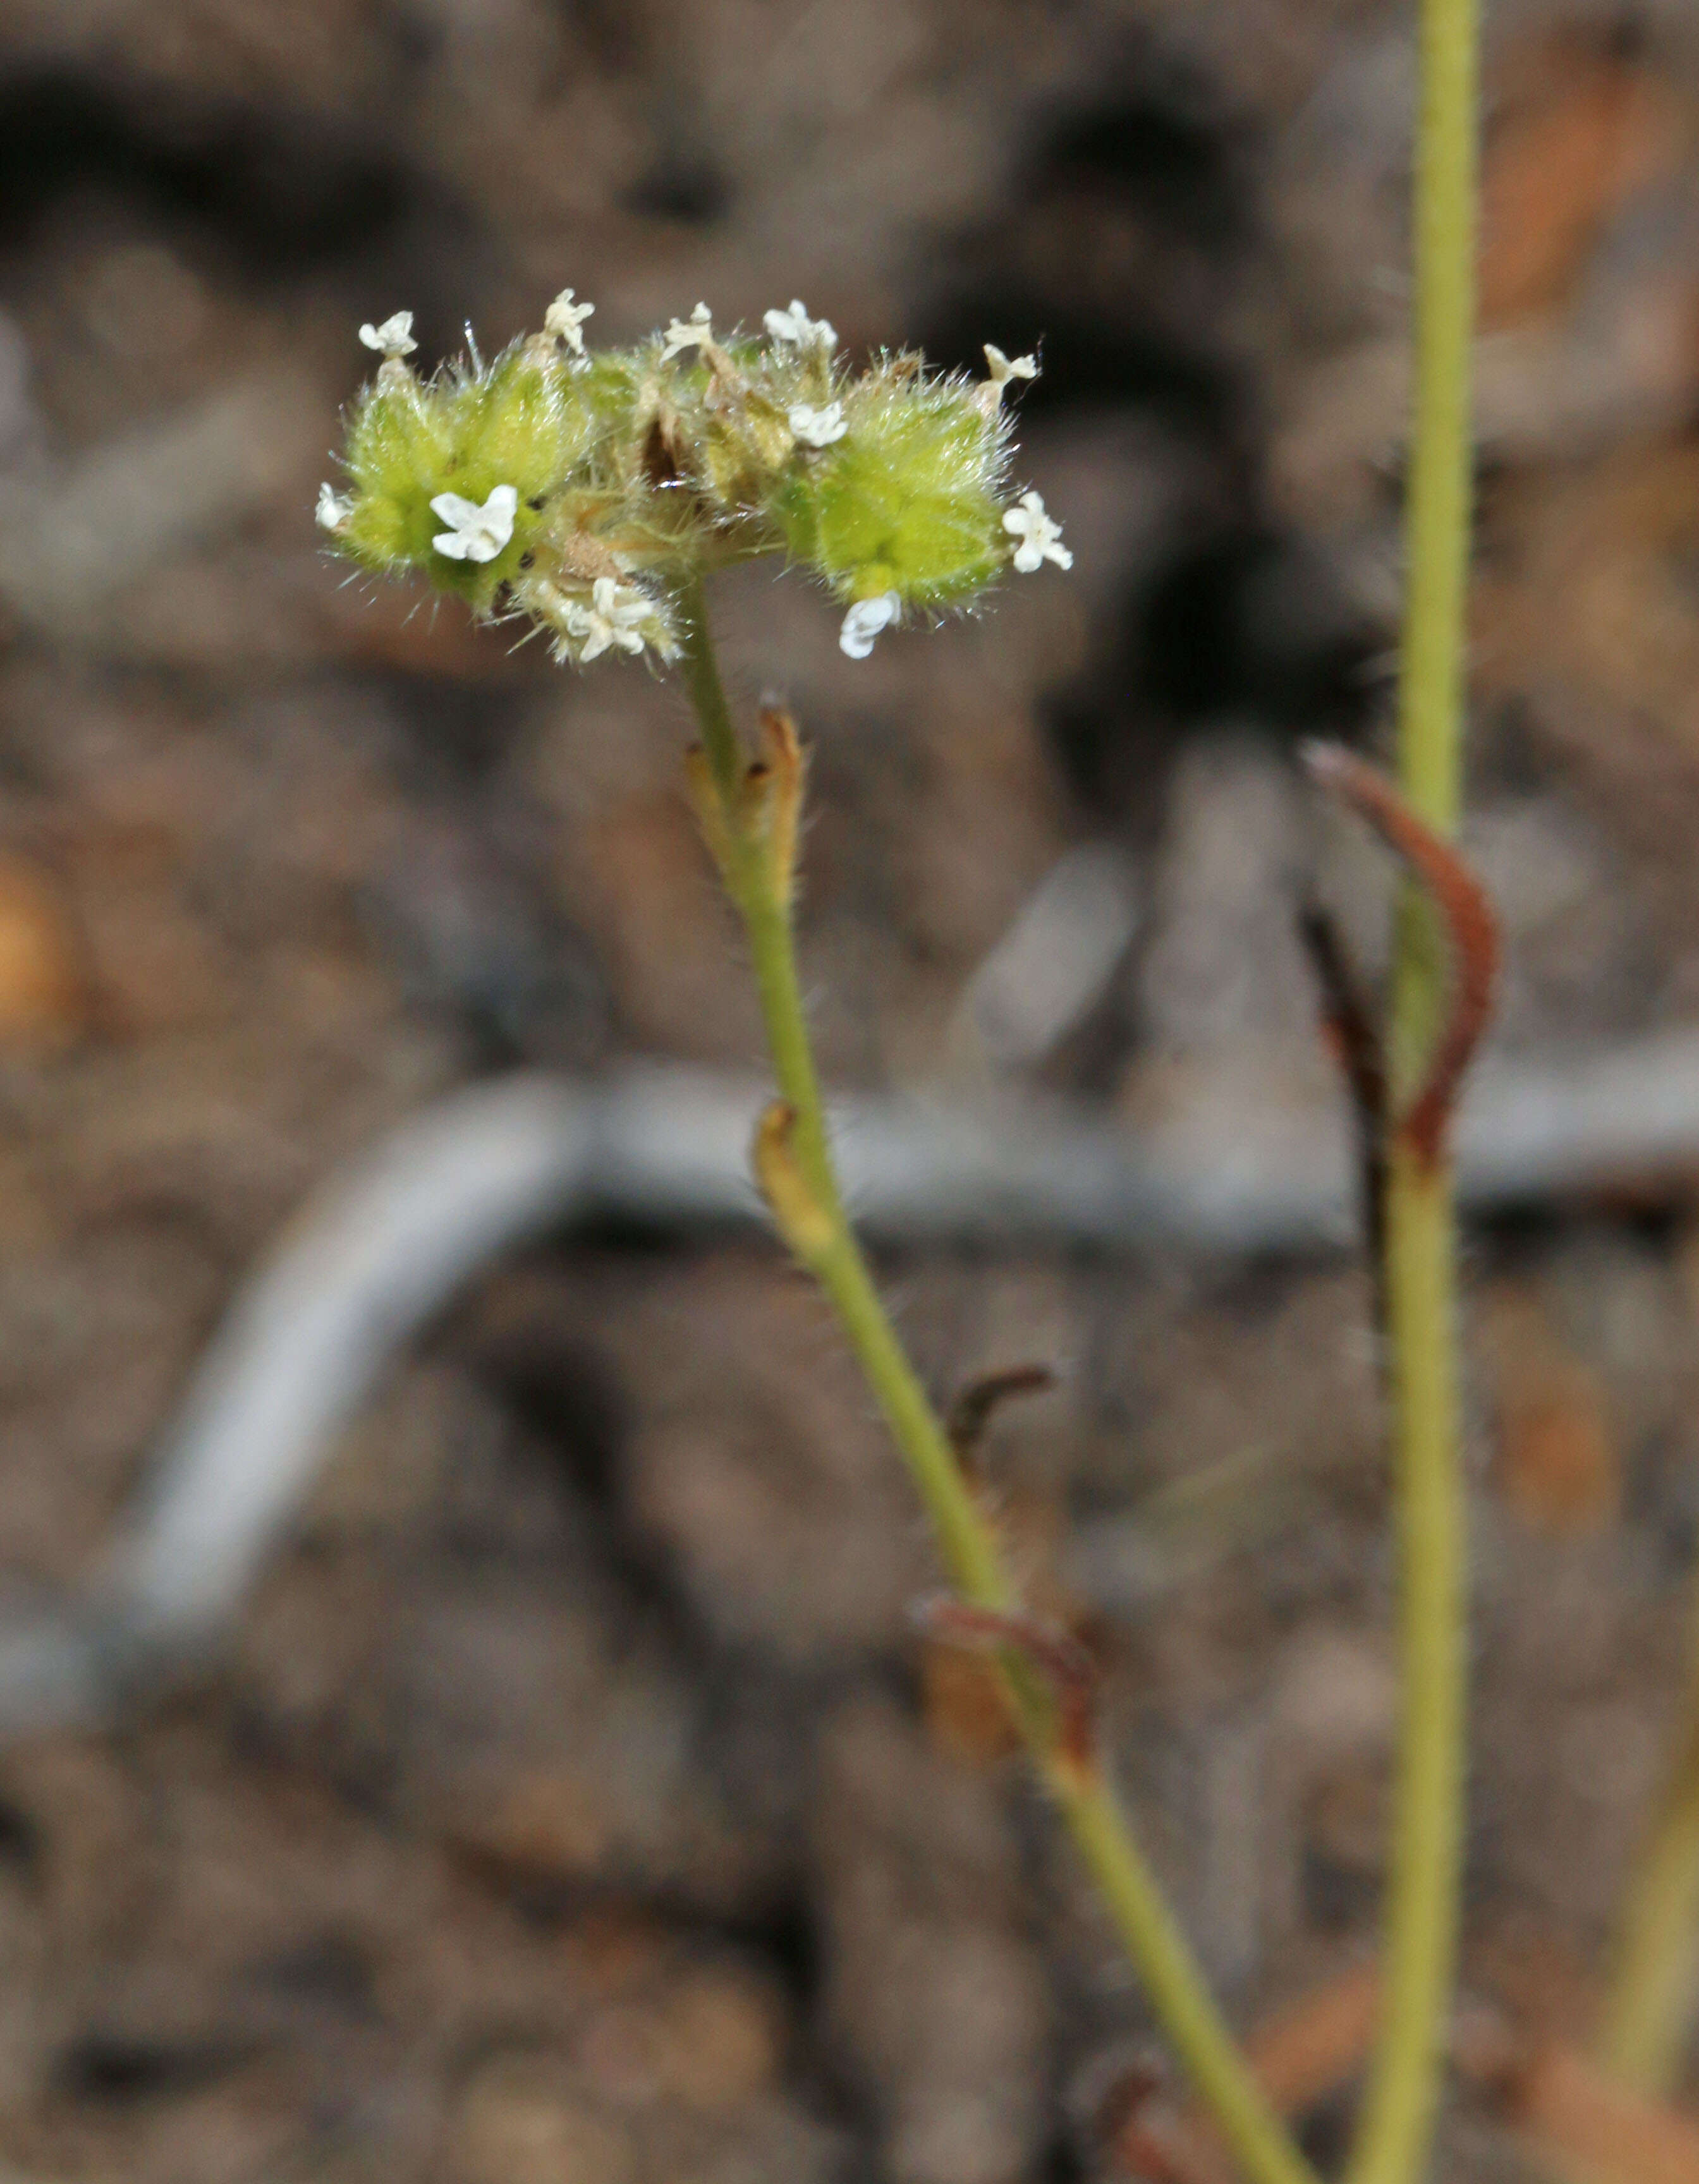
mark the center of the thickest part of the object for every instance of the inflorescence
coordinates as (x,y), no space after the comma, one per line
(581,490)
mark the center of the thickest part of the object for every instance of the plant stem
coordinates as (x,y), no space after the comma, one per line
(967,1543)
(1395,2128)
(1648,2006)
(1420,1943)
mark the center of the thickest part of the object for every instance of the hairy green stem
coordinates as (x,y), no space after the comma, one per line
(967,1543)
(1420,1945)
(1395,2128)
(1649,2004)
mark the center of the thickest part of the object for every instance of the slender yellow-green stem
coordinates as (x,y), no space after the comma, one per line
(1395,2128)
(1649,2004)
(967,1543)
(1422,1911)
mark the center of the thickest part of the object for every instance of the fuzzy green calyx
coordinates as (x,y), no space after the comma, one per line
(907,501)
(523,422)
(584,490)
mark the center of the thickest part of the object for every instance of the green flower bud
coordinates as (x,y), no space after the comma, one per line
(528,421)
(907,500)
(743,444)
(515,431)
(400,447)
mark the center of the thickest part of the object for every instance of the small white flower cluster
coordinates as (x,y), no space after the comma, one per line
(790,329)
(816,425)
(615,617)
(618,616)
(612,621)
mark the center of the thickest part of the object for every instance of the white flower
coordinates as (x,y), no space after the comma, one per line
(818,427)
(334,508)
(475,533)
(797,329)
(1040,536)
(1005,368)
(864,621)
(696,331)
(394,337)
(563,318)
(614,617)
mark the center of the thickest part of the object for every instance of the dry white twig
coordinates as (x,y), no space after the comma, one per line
(379,1249)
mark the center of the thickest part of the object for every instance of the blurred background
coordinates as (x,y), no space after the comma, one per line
(572,1802)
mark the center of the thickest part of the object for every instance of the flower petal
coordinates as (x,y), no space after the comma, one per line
(864,623)
(394,337)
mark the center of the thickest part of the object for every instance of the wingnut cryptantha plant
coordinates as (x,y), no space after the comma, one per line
(592,493)
(585,491)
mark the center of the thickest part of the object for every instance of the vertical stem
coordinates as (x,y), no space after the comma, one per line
(968,1542)
(1420,1944)
(765,914)
(708,693)
(842,1273)
(1649,2005)
(1395,2129)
